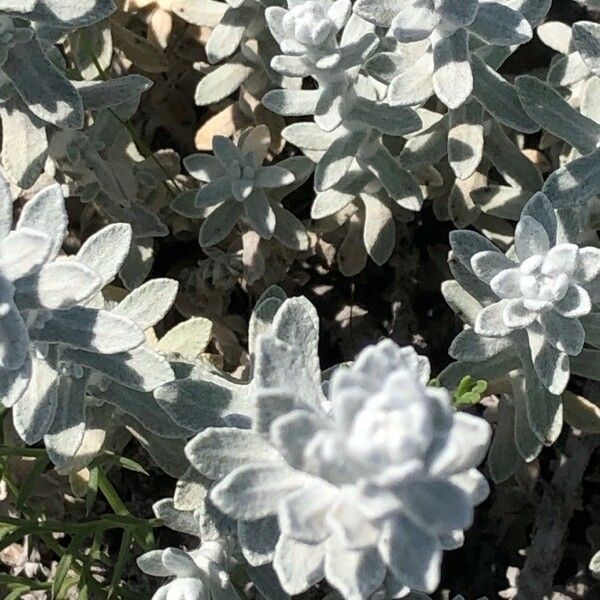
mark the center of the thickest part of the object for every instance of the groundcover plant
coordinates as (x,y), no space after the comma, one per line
(299,297)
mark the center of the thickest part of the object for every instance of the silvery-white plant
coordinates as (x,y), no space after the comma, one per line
(338,485)
(361,201)
(58,338)
(198,574)
(448,27)
(306,33)
(239,187)
(351,107)
(349,126)
(575,120)
(346,138)
(36,92)
(240,47)
(542,289)
(406,71)
(102,166)
(225,400)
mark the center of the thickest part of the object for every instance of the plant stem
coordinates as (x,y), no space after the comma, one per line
(51,526)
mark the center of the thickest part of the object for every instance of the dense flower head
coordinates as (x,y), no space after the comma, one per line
(391,450)
(378,475)
(308,25)
(371,419)
(544,286)
(307,35)
(237,184)
(542,280)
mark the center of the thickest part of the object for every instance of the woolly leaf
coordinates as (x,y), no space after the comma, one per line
(188,339)
(106,251)
(549,109)
(90,329)
(140,369)
(47,92)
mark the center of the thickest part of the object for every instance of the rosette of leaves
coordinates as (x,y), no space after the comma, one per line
(543,288)
(198,574)
(527,310)
(334,64)
(35,91)
(447,27)
(339,486)
(306,33)
(349,123)
(58,339)
(238,187)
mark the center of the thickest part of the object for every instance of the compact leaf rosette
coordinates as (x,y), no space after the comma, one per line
(364,485)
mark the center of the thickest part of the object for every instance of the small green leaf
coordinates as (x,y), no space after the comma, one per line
(108,459)
(121,563)
(58,588)
(469,391)
(18,592)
